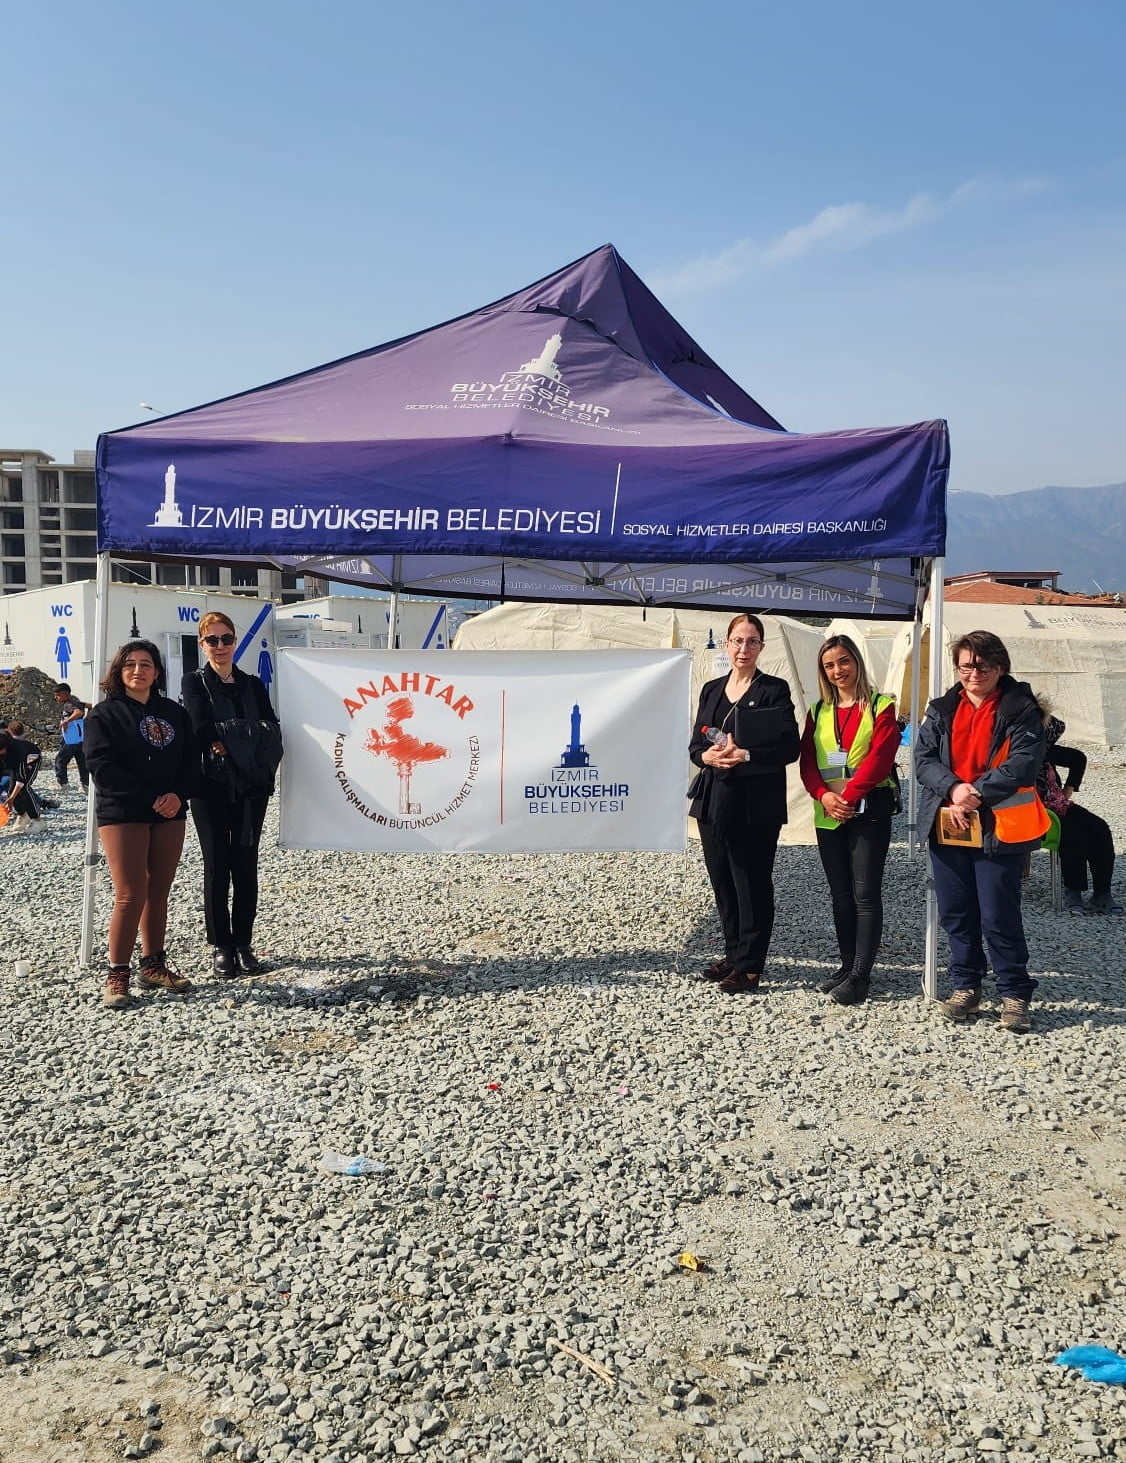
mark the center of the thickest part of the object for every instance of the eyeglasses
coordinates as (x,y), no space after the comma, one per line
(137,665)
(977,668)
(214,640)
(744,644)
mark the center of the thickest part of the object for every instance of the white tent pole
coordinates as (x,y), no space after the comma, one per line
(915,718)
(92,856)
(392,619)
(937,658)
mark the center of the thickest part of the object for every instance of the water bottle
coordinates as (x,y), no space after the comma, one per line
(353,1164)
(716,735)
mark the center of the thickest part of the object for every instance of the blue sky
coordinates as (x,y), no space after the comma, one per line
(867,214)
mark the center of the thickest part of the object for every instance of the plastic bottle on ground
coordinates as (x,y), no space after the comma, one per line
(353,1164)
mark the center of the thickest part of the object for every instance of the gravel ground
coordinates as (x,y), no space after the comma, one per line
(897,1223)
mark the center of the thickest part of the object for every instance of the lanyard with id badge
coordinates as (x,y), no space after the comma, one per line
(836,772)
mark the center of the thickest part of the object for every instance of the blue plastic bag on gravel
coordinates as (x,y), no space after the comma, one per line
(1097,1363)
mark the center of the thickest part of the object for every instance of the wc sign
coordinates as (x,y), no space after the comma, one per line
(189,614)
(63,649)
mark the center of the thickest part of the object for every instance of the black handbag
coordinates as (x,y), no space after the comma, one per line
(884,802)
(253,754)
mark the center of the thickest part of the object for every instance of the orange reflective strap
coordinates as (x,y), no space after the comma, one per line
(1022,817)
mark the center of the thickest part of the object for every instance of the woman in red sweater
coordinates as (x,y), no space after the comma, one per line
(847,766)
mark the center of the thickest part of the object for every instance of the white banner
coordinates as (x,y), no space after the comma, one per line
(484,751)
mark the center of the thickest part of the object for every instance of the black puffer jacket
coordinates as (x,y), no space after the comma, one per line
(136,752)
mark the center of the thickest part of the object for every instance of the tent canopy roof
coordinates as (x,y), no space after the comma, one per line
(570,441)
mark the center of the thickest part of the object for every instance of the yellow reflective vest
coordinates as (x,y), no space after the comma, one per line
(825,744)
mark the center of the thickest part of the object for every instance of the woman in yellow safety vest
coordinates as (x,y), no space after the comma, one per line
(847,766)
(977,756)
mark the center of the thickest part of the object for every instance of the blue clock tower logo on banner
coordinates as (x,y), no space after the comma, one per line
(576,785)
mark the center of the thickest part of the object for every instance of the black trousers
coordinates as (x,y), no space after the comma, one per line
(740,865)
(853,857)
(1085,838)
(71,751)
(228,839)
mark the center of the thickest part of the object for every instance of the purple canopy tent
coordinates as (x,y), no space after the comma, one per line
(568,442)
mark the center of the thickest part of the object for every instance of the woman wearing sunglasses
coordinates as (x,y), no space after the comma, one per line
(228,817)
(144,761)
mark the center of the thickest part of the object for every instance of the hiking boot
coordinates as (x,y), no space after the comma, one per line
(1073,901)
(963,1003)
(1014,1014)
(852,991)
(1105,904)
(115,992)
(157,975)
(825,986)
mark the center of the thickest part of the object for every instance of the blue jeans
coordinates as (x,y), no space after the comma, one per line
(979,901)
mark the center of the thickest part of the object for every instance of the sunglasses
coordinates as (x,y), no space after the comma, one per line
(214,640)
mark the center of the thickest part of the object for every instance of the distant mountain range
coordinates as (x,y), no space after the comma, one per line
(1079,531)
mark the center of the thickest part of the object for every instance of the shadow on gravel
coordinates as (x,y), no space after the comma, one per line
(319,983)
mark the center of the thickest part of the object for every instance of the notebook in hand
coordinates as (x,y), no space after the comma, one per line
(951,837)
(757,727)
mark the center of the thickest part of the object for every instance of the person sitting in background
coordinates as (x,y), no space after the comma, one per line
(1085,839)
(20,759)
(19,731)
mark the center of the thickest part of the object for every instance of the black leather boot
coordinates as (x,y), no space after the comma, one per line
(248,963)
(851,992)
(831,981)
(223,961)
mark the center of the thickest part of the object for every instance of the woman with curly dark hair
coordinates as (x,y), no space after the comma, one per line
(142,756)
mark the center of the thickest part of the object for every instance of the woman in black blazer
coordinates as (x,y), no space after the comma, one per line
(739,800)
